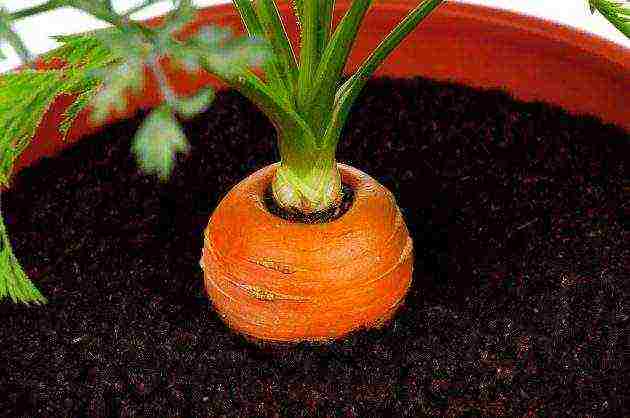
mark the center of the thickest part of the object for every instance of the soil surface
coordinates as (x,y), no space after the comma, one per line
(520,304)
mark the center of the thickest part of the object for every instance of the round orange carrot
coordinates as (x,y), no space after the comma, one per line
(282,281)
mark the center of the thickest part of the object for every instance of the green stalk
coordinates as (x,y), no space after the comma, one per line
(272,67)
(248,16)
(327,8)
(307,179)
(7,32)
(271,101)
(274,31)
(615,12)
(308,51)
(333,61)
(351,89)
(99,10)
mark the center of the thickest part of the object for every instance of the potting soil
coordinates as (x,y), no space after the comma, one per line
(520,302)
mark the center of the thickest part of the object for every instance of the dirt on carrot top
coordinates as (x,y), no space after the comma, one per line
(520,301)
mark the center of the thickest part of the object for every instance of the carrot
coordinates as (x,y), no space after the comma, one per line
(283,281)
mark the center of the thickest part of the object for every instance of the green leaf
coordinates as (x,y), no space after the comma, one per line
(176,20)
(349,91)
(232,58)
(191,106)
(615,12)
(124,78)
(13,280)
(80,103)
(333,61)
(123,43)
(208,38)
(158,141)
(325,24)
(214,37)
(308,51)
(86,51)
(274,31)
(25,97)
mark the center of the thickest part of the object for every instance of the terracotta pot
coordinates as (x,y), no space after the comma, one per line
(278,280)
(483,47)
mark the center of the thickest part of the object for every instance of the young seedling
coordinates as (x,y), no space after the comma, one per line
(301,94)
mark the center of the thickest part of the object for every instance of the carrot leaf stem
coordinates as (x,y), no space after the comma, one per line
(254,28)
(275,33)
(327,8)
(350,90)
(333,61)
(308,51)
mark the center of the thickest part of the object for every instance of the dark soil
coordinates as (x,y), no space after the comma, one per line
(520,301)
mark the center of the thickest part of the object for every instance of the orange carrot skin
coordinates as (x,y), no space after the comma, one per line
(280,281)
